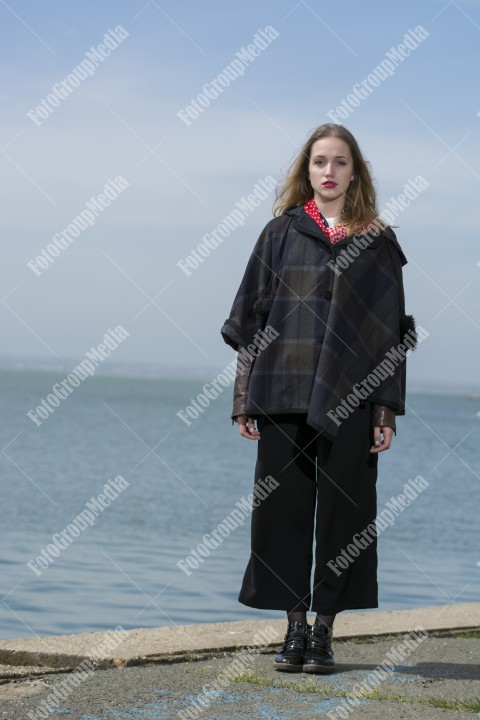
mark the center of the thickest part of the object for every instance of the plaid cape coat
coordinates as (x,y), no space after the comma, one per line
(337,310)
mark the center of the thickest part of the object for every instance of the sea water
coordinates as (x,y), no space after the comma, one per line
(180,482)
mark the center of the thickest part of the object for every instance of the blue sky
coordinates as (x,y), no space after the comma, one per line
(183,180)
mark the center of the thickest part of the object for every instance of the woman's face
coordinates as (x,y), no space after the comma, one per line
(330,169)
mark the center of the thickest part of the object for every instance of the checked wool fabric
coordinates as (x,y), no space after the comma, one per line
(335,322)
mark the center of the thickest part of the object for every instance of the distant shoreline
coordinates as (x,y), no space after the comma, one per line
(150,371)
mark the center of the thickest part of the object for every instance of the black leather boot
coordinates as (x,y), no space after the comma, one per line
(290,657)
(318,654)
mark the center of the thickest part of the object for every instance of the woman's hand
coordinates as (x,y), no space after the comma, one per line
(379,444)
(247,428)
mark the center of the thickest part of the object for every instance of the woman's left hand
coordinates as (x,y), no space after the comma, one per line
(381,444)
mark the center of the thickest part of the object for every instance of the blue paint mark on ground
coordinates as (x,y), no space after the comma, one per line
(301,706)
(295,702)
(229,705)
(140,712)
(217,695)
(266,711)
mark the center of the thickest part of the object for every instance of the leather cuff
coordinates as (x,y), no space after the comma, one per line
(240,389)
(383,416)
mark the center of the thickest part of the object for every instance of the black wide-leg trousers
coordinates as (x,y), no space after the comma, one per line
(327,491)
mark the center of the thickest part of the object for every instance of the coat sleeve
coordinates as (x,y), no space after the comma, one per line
(243,322)
(392,391)
(383,416)
(240,390)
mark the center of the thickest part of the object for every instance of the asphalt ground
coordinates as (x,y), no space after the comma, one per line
(440,678)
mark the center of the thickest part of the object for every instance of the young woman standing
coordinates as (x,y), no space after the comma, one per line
(325,281)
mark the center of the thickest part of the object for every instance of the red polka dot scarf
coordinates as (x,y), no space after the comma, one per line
(334,234)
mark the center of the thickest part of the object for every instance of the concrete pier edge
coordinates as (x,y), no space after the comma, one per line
(118,648)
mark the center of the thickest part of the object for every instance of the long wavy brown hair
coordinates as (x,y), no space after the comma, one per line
(360,207)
